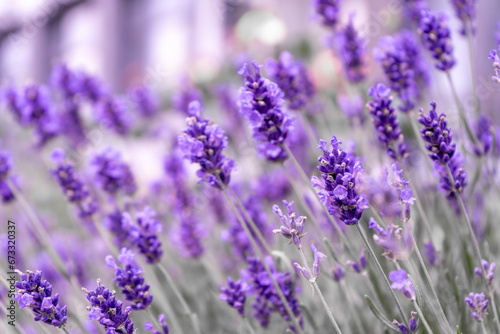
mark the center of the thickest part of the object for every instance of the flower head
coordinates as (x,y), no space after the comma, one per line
(478,305)
(261,103)
(327,11)
(144,99)
(293,227)
(112,174)
(396,243)
(489,270)
(36,294)
(496,64)
(436,37)
(234,294)
(161,318)
(465,10)
(5,167)
(112,113)
(352,52)
(402,282)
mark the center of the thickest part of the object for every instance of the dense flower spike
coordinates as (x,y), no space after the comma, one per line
(436,38)
(234,294)
(149,326)
(36,294)
(5,167)
(261,103)
(108,311)
(203,143)
(438,135)
(459,178)
(402,282)
(144,235)
(292,77)
(266,298)
(431,254)
(385,121)
(112,174)
(477,304)
(338,192)
(398,69)
(293,227)
(489,270)
(12,98)
(66,80)
(71,185)
(351,47)
(130,279)
(496,64)
(327,11)
(413,9)
(396,243)
(408,41)
(145,101)
(112,113)
(465,10)
(483,132)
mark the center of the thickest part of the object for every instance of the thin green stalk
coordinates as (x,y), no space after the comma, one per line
(422,317)
(476,247)
(259,254)
(379,267)
(307,181)
(180,297)
(64,329)
(320,294)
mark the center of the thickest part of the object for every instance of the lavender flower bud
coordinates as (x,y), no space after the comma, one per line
(130,279)
(149,327)
(402,327)
(108,311)
(448,186)
(146,235)
(303,271)
(261,103)
(489,270)
(338,273)
(485,136)
(438,135)
(385,121)
(351,47)
(293,227)
(36,294)
(327,11)
(339,173)
(292,77)
(465,10)
(317,256)
(496,64)
(402,282)
(203,143)
(413,321)
(112,174)
(477,304)
(431,254)
(436,38)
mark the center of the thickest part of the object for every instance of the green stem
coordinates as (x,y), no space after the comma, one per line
(483,328)
(64,329)
(422,317)
(379,267)
(320,294)
(180,297)
(258,252)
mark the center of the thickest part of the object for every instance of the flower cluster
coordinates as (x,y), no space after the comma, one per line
(496,64)
(351,47)
(408,41)
(402,282)
(112,113)
(457,183)
(108,311)
(292,77)
(436,37)
(484,134)
(187,94)
(71,185)
(261,103)
(149,326)
(413,9)
(144,234)
(203,143)
(477,304)
(338,190)
(5,167)
(130,279)
(385,121)
(327,11)
(36,294)
(293,227)
(235,294)
(397,244)
(489,270)
(359,265)
(465,10)
(144,99)
(112,174)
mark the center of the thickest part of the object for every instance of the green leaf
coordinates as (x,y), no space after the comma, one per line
(380,316)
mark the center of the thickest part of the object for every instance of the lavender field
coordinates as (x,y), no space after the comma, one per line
(249,166)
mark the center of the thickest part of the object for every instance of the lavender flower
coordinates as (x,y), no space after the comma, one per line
(485,136)
(396,243)
(358,266)
(450,187)
(317,256)
(408,41)
(338,273)
(108,311)
(65,79)
(293,227)
(431,254)
(338,192)
(465,10)
(144,99)
(149,327)
(130,279)
(36,294)
(235,294)
(72,187)
(5,167)
(438,135)
(436,37)
(71,123)
(489,270)
(351,47)
(187,94)
(261,103)
(112,113)
(112,174)
(402,282)
(327,11)
(11,97)
(413,9)
(477,304)
(144,234)
(398,70)
(202,143)
(385,121)
(292,77)
(496,64)
(93,89)
(413,324)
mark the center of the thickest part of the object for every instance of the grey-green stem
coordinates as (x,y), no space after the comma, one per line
(422,317)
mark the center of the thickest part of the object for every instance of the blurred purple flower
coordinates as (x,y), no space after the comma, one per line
(402,282)
(161,318)
(112,174)
(351,106)
(327,11)
(5,167)
(144,99)
(112,113)
(477,304)
(144,235)
(465,10)
(186,95)
(413,9)
(431,254)
(489,270)
(484,134)
(351,47)
(234,294)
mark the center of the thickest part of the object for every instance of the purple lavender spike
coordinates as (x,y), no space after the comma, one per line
(234,294)
(5,167)
(465,10)
(351,47)
(293,227)
(496,64)
(327,11)
(144,99)
(112,174)
(112,113)
(478,305)
(395,242)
